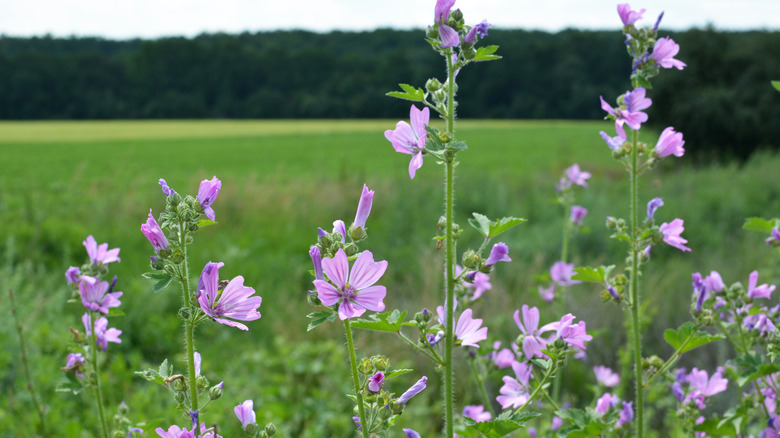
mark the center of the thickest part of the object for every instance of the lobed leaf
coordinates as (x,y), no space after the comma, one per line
(504,224)
(162,279)
(486,54)
(409,93)
(502,425)
(759,224)
(319,318)
(481,223)
(592,275)
(383,322)
(688,332)
(776,84)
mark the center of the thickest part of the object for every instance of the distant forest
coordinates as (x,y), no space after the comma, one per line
(723,101)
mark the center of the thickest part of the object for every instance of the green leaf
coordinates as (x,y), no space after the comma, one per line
(486,54)
(592,275)
(481,223)
(166,369)
(383,322)
(715,426)
(504,224)
(776,84)
(162,279)
(688,331)
(759,224)
(396,373)
(458,145)
(501,426)
(205,223)
(409,93)
(319,318)
(755,373)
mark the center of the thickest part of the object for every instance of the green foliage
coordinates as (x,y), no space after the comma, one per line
(502,425)
(383,322)
(688,337)
(409,93)
(491,229)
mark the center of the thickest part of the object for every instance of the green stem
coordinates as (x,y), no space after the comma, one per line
(355,379)
(26,366)
(550,371)
(669,362)
(432,355)
(634,285)
(481,383)
(449,268)
(96,369)
(566,232)
(189,325)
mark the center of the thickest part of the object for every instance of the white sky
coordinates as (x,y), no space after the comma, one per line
(120,19)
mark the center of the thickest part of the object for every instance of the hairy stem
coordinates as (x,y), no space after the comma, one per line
(96,369)
(189,325)
(481,383)
(355,379)
(449,268)
(634,291)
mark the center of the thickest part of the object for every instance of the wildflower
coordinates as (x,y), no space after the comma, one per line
(95,295)
(670,143)
(167,191)
(207,194)
(572,334)
(364,208)
(449,37)
(103,334)
(376,381)
(630,112)
(713,282)
(355,290)
(760,322)
(628,16)
(74,364)
(664,51)
(532,343)
(155,234)
(410,140)
(774,239)
(175,432)
(499,253)
(703,387)
(356,419)
(316,259)
(469,330)
(547,294)
(561,273)
(480,285)
(614,143)
(234,302)
(605,403)
(605,376)
(502,358)
(671,232)
(626,415)
(100,254)
(577,214)
(412,391)
(762,291)
(72,275)
(653,205)
(515,391)
(480,29)
(577,176)
(340,228)
(410,433)
(245,413)
(477,413)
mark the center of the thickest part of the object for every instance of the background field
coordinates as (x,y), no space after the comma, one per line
(62,181)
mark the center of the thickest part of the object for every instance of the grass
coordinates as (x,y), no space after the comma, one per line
(281,180)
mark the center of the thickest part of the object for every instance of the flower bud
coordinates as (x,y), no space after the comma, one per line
(611,223)
(380,363)
(457,15)
(157,263)
(270,429)
(350,249)
(192,227)
(432,33)
(357,233)
(250,429)
(469,53)
(470,259)
(313,299)
(180,397)
(433,85)
(216,391)
(123,409)
(365,366)
(174,199)
(118,434)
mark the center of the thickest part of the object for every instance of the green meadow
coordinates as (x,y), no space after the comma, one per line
(62,181)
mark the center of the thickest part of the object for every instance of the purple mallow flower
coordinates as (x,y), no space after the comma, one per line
(702,387)
(449,37)
(376,381)
(626,415)
(529,326)
(412,391)
(477,413)
(577,214)
(762,291)
(175,432)
(664,51)
(207,194)
(74,364)
(410,140)
(671,232)
(155,234)
(502,358)
(630,112)
(103,334)
(605,376)
(234,302)
(245,413)
(480,30)
(72,275)
(355,290)
(95,295)
(340,227)
(547,294)
(606,402)
(364,208)
(167,191)
(774,239)
(499,253)
(480,284)
(100,254)
(411,433)
(627,16)
(653,205)
(316,260)
(614,143)
(577,176)
(515,392)
(469,330)
(670,143)
(561,273)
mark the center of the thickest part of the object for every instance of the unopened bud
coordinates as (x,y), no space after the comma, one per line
(123,409)
(250,429)
(192,227)
(611,223)
(180,397)
(270,429)
(313,299)
(201,382)
(380,363)
(351,249)
(457,15)
(357,233)
(469,53)
(365,366)
(433,85)
(470,259)
(118,434)
(174,199)
(215,392)
(432,33)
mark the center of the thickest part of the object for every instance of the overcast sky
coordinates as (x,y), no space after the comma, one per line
(121,19)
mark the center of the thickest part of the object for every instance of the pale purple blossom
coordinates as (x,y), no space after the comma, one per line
(441,12)
(340,227)
(154,234)
(96,296)
(664,51)
(547,294)
(316,260)
(100,254)
(774,239)
(235,302)
(702,386)
(469,330)
(245,413)
(175,432)
(480,29)
(355,290)
(529,326)
(167,191)
(670,143)
(606,402)
(626,415)
(103,334)
(713,282)
(412,391)
(630,112)
(73,363)
(515,392)
(573,334)
(577,214)
(72,275)
(477,413)
(614,143)
(364,208)
(577,176)
(410,433)
(762,291)
(605,376)
(627,16)
(499,253)
(449,36)
(207,194)
(653,205)
(759,322)
(410,139)
(502,358)
(671,232)
(561,273)
(376,381)
(481,283)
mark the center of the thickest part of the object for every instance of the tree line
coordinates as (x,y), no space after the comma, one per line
(722,101)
